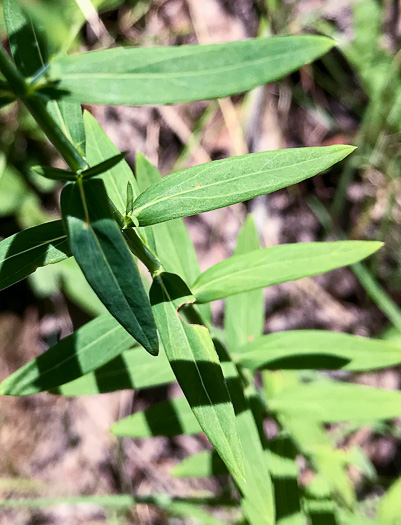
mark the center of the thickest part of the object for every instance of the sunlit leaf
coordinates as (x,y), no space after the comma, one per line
(167,75)
(319,349)
(332,402)
(229,181)
(279,264)
(244,313)
(194,361)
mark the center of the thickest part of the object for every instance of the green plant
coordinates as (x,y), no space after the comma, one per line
(110,218)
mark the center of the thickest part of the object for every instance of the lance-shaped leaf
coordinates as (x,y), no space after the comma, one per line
(169,75)
(132,369)
(169,418)
(194,361)
(54,173)
(318,349)
(279,264)
(104,166)
(99,148)
(22,253)
(244,313)
(103,255)
(66,175)
(85,350)
(224,182)
(333,402)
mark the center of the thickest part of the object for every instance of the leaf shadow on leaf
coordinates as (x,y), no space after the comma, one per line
(171,423)
(28,251)
(307,362)
(284,474)
(187,370)
(65,359)
(322,517)
(107,376)
(233,382)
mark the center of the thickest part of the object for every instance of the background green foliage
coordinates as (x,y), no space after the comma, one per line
(285,430)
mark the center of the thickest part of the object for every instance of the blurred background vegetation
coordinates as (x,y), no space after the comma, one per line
(60,446)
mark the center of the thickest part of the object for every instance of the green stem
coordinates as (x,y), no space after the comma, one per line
(143,252)
(37,108)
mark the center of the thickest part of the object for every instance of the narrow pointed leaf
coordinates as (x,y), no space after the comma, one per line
(100,250)
(54,173)
(244,313)
(104,166)
(100,148)
(333,402)
(229,181)
(85,350)
(130,199)
(22,253)
(169,75)
(132,369)
(318,349)
(279,264)
(169,418)
(194,361)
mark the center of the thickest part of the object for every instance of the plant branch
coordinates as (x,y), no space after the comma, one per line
(37,108)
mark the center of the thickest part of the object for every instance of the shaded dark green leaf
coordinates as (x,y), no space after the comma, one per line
(54,173)
(22,253)
(103,255)
(104,166)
